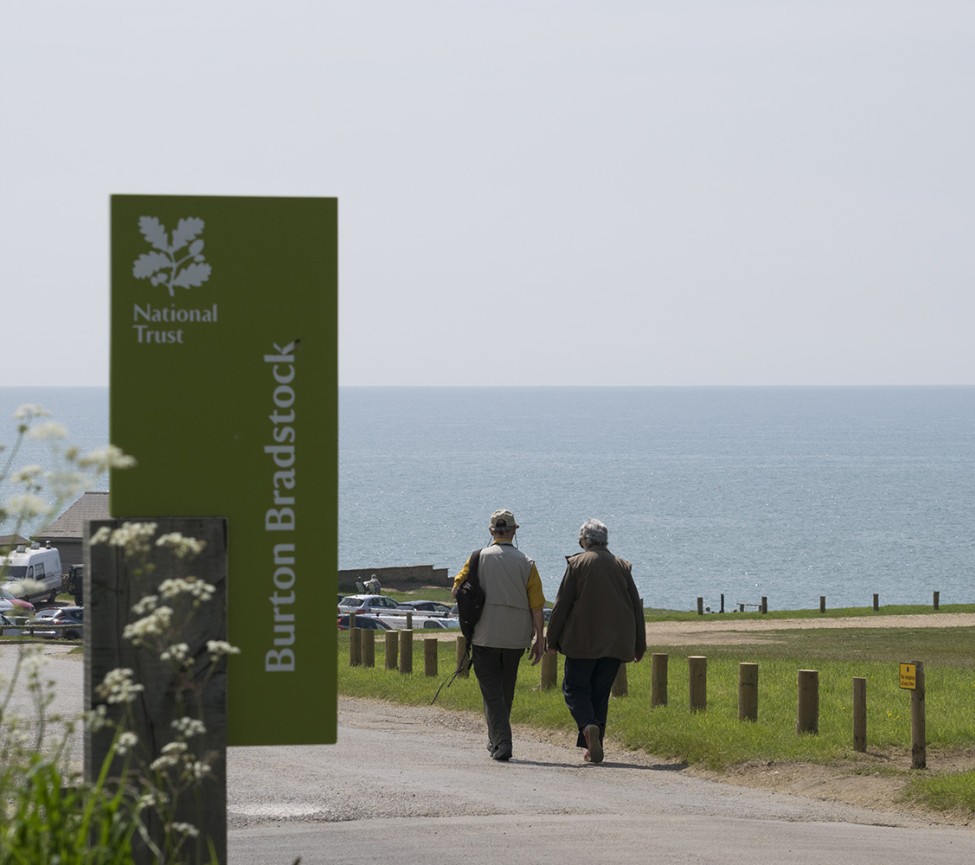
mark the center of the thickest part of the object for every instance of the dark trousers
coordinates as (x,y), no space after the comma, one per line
(497,673)
(586,686)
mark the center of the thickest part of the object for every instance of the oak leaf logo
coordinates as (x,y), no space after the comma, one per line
(178,261)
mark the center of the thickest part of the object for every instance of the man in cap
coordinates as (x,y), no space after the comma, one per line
(510,623)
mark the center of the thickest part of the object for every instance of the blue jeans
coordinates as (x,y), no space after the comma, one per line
(586,687)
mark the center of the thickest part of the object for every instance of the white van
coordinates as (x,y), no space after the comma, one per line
(32,573)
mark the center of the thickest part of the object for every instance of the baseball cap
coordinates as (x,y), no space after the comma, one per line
(503,520)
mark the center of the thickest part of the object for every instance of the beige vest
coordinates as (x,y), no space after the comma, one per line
(506,622)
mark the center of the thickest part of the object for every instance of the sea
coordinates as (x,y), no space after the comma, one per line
(729,494)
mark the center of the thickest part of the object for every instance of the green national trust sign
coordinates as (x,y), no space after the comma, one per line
(224,389)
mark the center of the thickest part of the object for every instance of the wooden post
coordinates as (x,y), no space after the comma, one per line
(764,604)
(367,640)
(722,602)
(113,585)
(550,671)
(430,656)
(860,714)
(406,650)
(937,600)
(409,621)
(807,713)
(697,668)
(620,688)
(919,758)
(822,603)
(748,692)
(876,602)
(658,679)
(392,650)
(462,657)
(700,606)
(355,648)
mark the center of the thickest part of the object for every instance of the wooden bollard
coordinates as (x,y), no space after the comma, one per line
(822,603)
(550,671)
(620,688)
(876,602)
(764,604)
(807,712)
(355,647)
(658,679)
(462,658)
(409,621)
(936,600)
(367,641)
(748,692)
(430,645)
(697,668)
(859,714)
(919,754)
(392,650)
(406,651)
(700,606)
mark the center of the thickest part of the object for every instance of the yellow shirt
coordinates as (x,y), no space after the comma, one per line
(536,596)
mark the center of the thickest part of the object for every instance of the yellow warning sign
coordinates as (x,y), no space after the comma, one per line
(908,676)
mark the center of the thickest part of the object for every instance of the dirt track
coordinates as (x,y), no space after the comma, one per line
(725,629)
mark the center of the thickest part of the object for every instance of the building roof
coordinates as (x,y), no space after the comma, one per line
(11,541)
(71,524)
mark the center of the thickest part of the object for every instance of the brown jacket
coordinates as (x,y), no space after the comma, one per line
(598,612)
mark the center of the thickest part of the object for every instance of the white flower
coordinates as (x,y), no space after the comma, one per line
(188,727)
(146,605)
(118,686)
(174,749)
(179,652)
(199,770)
(134,538)
(26,506)
(219,648)
(29,411)
(97,719)
(26,474)
(48,430)
(126,742)
(187,829)
(196,588)
(164,762)
(108,457)
(152,625)
(182,546)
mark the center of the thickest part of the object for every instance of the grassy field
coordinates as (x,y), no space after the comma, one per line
(716,739)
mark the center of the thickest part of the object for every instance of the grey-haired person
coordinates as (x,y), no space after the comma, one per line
(598,624)
(510,623)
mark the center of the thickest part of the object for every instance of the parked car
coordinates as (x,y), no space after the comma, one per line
(398,621)
(431,608)
(73,618)
(17,606)
(363,623)
(367,604)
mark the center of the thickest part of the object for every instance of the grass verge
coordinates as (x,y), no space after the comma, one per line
(717,740)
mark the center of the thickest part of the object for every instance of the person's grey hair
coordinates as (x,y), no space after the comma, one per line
(594,532)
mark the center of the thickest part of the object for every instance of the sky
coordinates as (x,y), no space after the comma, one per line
(531,192)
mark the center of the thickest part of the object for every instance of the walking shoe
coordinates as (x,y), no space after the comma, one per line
(593,740)
(502,753)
